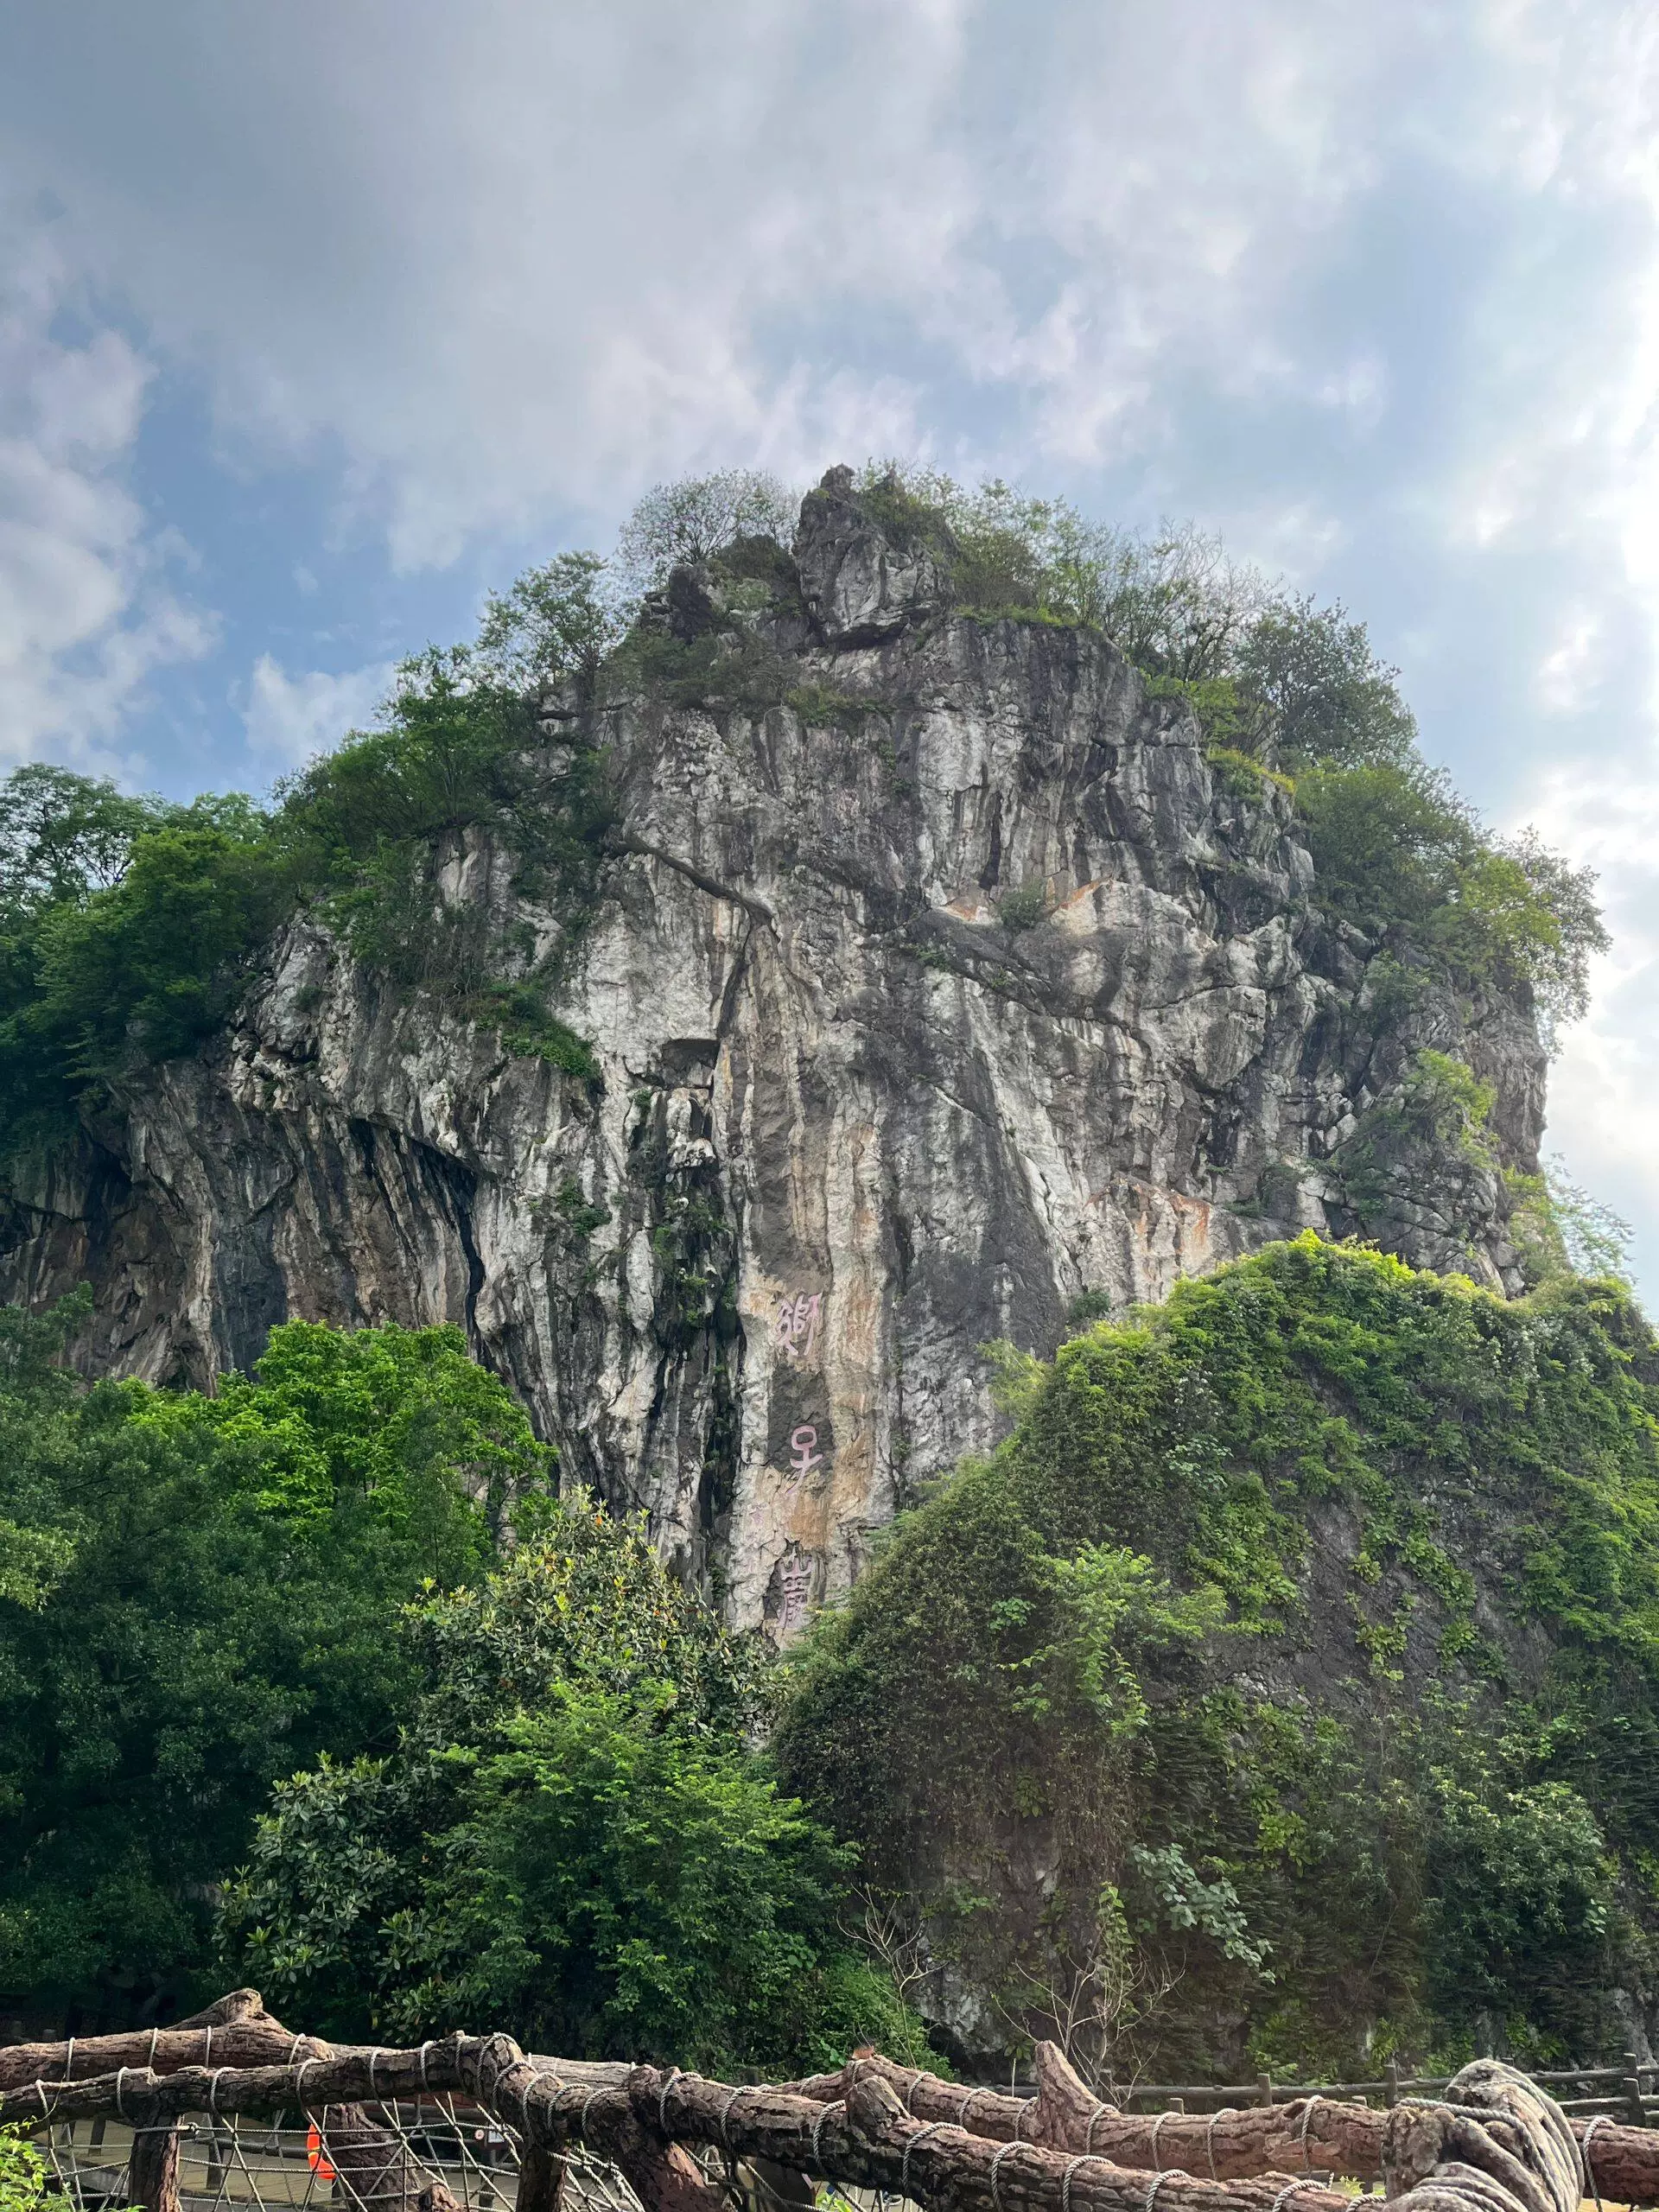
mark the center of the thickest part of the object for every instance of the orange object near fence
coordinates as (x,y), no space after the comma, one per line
(313,2154)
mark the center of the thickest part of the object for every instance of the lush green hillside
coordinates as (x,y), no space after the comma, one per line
(1285,1683)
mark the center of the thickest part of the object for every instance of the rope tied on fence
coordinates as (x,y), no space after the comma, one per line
(932,2128)
(1083,2158)
(1301,2133)
(1172,2173)
(1157,2127)
(506,2054)
(598,2090)
(825,2112)
(1600,2121)
(662,2100)
(997,2192)
(1227,2112)
(1290,2189)
(725,2115)
(1100,2112)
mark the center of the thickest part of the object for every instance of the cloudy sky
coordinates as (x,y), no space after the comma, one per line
(318,318)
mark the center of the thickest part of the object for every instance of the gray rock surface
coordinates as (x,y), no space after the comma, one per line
(957,983)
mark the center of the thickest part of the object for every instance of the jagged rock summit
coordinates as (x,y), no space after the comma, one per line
(936,978)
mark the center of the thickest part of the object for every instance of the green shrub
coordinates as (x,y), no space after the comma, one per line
(130,927)
(22,2172)
(1024,908)
(1284,689)
(573,1836)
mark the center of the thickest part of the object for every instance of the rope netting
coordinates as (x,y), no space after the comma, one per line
(238,2164)
(226,2163)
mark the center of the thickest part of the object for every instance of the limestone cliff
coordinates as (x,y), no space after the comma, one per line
(943,981)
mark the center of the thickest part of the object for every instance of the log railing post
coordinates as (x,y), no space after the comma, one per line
(541,2179)
(153,2165)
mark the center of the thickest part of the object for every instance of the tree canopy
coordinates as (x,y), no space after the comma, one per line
(572,1835)
(128,926)
(196,1595)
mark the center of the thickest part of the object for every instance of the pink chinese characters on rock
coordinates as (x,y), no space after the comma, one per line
(804,1454)
(795,1593)
(800,1322)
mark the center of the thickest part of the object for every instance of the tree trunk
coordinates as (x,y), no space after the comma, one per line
(153,2169)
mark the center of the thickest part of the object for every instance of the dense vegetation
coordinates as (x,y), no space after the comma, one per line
(197,1594)
(1282,1690)
(1284,1687)
(526,1789)
(1286,689)
(572,1834)
(127,925)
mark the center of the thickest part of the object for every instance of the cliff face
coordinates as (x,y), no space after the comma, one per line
(956,983)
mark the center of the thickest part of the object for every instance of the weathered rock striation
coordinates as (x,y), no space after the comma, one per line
(938,980)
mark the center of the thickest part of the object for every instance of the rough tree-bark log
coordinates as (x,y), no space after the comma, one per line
(1496,2144)
(872,2142)
(214,2047)
(541,2180)
(235,2031)
(1316,2134)
(153,2165)
(639,2120)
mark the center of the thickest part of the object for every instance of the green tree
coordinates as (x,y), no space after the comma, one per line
(200,1594)
(1326,699)
(696,518)
(574,1836)
(63,836)
(555,620)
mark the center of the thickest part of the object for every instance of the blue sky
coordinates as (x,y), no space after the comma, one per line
(317,320)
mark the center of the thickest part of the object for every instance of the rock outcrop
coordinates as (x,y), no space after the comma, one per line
(937,979)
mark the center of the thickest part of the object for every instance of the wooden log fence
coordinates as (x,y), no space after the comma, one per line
(872,2126)
(1315,2132)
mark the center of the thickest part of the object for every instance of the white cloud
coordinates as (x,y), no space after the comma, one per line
(537,256)
(291,719)
(86,613)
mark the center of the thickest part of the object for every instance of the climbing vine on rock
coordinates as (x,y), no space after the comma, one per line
(1338,1578)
